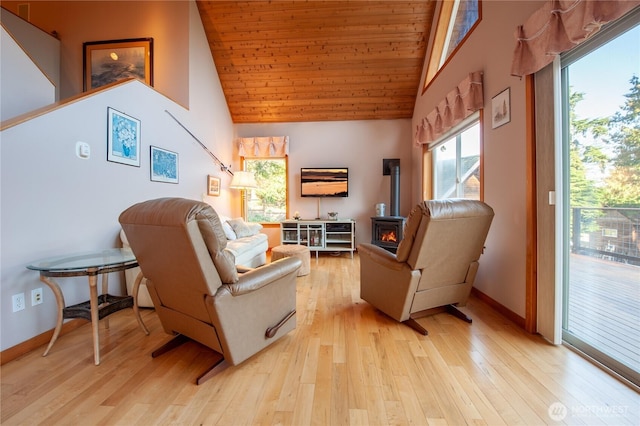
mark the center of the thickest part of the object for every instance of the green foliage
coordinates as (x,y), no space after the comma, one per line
(584,191)
(623,184)
(623,188)
(271,193)
(621,133)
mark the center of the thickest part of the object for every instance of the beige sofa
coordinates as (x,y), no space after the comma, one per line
(249,250)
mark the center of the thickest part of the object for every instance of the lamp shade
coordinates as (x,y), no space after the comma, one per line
(243,180)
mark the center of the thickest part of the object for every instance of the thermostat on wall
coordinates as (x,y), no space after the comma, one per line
(83,150)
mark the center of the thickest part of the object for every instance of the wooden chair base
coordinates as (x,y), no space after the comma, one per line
(179,339)
(220,365)
(416,326)
(450,309)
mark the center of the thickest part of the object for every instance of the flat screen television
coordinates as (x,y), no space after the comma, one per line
(324,182)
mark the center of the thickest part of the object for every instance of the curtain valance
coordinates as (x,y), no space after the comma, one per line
(267,146)
(560,25)
(465,99)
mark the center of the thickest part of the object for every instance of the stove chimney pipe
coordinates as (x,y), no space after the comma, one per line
(395,190)
(391,166)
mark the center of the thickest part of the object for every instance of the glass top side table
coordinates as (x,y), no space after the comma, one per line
(91,264)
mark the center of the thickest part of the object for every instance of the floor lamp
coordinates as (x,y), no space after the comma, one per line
(243,181)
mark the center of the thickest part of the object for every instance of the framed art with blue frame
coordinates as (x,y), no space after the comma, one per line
(123,138)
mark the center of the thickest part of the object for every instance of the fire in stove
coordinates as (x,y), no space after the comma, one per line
(389,237)
(386,232)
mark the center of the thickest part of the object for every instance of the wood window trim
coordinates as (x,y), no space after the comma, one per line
(531,286)
(439,40)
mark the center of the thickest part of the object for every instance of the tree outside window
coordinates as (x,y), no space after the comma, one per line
(268,202)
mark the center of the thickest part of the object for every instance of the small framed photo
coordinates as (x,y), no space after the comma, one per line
(109,61)
(213,186)
(501,108)
(164,165)
(123,138)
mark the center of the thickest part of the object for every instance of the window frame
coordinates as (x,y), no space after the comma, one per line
(563,203)
(429,157)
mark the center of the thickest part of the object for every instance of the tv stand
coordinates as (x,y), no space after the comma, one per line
(320,235)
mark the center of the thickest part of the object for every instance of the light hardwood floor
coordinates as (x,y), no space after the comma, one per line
(345,364)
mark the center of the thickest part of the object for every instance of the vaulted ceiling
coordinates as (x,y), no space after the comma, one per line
(289,61)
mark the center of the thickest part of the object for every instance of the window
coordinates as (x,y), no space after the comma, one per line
(268,202)
(456,164)
(600,197)
(456,20)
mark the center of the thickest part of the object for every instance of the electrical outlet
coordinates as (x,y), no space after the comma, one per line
(18,302)
(36,296)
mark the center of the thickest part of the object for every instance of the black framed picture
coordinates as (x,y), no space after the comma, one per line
(109,61)
(123,138)
(164,165)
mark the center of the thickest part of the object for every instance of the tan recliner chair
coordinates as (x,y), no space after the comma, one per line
(196,289)
(435,264)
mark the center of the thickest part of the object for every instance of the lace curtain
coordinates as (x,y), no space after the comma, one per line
(268,146)
(560,25)
(465,99)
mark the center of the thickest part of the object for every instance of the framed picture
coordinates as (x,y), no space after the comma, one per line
(114,60)
(164,165)
(501,108)
(213,186)
(123,138)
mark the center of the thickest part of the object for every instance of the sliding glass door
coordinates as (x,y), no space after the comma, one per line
(601,151)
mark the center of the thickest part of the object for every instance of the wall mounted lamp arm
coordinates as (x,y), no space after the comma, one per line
(216,159)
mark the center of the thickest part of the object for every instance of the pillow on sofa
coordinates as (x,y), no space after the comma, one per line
(255,227)
(244,229)
(228,230)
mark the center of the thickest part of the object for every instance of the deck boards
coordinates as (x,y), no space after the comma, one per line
(604,306)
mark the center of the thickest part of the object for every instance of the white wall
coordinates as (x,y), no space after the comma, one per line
(23,85)
(490,48)
(359,145)
(43,48)
(211,119)
(56,203)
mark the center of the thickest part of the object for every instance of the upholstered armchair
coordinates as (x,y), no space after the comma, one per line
(197,292)
(434,266)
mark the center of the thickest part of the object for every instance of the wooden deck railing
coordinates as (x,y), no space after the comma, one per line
(607,233)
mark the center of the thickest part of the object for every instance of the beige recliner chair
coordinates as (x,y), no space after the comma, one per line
(435,264)
(196,289)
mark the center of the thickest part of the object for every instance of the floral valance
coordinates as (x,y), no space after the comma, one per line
(560,25)
(267,146)
(465,99)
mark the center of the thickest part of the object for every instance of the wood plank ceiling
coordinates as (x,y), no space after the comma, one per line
(290,61)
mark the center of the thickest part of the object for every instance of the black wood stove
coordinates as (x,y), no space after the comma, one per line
(386,231)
